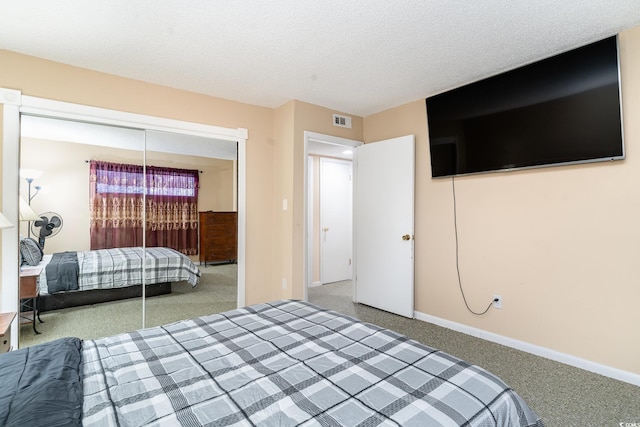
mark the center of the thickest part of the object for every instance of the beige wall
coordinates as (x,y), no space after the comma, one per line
(561,245)
(65,183)
(283,189)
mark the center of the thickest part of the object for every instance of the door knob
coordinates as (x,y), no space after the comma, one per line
(325,229)
(406,237)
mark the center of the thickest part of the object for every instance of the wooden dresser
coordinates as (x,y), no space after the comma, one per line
(218,237)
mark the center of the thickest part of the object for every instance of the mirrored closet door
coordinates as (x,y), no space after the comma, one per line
(83,182)
(192,181)
(115,213)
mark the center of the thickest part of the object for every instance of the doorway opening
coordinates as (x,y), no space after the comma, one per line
(341,150)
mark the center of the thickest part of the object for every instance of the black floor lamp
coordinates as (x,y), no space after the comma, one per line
(29,175)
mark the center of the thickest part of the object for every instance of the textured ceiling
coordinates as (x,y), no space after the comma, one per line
(356,57)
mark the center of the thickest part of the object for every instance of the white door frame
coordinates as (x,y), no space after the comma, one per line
(307,223)
(13,103)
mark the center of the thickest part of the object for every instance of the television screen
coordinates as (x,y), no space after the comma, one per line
(564,109)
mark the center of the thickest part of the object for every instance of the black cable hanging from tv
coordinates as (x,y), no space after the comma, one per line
(455,226)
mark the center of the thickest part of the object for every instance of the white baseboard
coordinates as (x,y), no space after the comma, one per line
(607,371)
(315,284)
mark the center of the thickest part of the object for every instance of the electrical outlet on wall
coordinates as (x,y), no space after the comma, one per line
(497,301)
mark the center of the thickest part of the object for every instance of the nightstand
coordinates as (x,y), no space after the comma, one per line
(29,295)
(6,319)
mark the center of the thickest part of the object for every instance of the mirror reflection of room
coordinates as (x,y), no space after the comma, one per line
(215,164)
(55,183)
(84,184)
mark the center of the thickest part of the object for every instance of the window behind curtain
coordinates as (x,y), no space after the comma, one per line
(116,203)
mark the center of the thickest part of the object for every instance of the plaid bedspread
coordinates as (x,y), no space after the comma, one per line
(120,267)
(282,364)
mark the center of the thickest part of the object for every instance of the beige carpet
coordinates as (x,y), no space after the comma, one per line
(216,292)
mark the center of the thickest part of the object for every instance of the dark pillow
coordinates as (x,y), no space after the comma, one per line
(30,251)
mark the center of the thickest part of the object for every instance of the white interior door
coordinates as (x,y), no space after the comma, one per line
(384,207)
(336,218)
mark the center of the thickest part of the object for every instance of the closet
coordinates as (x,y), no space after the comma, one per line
(150,137)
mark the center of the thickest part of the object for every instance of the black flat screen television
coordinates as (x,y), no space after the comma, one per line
(561,110)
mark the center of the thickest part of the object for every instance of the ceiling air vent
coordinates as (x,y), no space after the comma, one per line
(342,121)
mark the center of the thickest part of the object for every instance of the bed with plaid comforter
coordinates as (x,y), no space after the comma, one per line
(286,363)
(121,267)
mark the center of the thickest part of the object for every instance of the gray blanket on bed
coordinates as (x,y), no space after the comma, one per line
(287,363)
(42,385)
(62,272)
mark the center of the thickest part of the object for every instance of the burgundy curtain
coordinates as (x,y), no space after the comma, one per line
(117,201)
(116,205)
(172,209)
